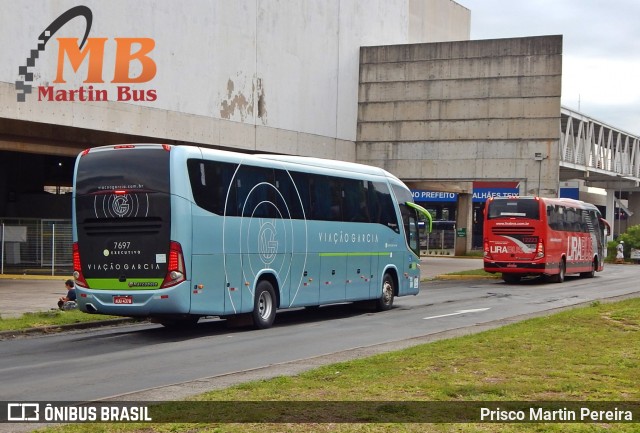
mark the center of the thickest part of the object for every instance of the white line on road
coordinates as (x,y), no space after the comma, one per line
(477,310)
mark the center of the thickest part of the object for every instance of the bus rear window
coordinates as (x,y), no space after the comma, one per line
(514,208)
(135,169)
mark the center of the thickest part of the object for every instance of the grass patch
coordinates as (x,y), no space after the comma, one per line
(49,318)
(586,354)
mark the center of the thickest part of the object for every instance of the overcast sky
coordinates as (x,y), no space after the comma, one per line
(601,49)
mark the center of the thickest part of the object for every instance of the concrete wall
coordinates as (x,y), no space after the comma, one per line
(438,21)
(265,75)
(456,111)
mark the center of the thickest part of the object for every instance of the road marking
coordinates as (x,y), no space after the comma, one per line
(477,310)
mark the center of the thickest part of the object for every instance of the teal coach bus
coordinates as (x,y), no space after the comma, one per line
(176,233)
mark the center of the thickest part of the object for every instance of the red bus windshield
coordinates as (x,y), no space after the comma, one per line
(528,208)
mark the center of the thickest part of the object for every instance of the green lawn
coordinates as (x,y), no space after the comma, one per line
(49,318)
(585,354)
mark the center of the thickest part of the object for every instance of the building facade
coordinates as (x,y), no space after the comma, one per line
(249,75)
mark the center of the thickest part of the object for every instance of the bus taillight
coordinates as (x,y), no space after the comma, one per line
(486,249)
(175,270)
(540,249)
(77,267)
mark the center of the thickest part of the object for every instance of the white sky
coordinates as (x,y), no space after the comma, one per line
(601,49)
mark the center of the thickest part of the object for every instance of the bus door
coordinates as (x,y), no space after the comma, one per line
(208,289)
(332,277)
(358,276)
(234,286)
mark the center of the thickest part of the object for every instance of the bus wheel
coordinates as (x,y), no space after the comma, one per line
(559,277)
(591,273)
(264,306)
(385,301)
(511,278)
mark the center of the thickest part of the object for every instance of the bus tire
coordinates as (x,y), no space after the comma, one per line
(385,301)
(562,270)
(511,278)
(592,273)
(264,305)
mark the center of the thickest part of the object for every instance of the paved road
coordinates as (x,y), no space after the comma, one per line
(117,361)
(24,294)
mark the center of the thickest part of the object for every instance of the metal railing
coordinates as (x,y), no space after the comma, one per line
(594,145)
(439,242)
(36,246)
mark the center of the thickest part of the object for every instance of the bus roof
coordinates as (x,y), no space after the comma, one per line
(552,200)
(328,163)
(290,162)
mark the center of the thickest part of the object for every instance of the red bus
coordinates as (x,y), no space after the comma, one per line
(550,237)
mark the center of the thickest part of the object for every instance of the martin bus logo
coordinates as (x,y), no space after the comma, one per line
(93,52)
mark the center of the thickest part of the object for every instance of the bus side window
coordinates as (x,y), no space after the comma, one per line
(319,208)
(381,208)
(336,194)
(302,185)
(210,181)
(551,218)
(292,196)
(355,203)
(254,186)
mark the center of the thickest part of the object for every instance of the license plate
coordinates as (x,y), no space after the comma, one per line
(123,299)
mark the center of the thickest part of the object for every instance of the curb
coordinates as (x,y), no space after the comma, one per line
(466,277)
(35,277)
(60,328)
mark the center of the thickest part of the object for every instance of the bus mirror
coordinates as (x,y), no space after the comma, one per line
(607,227)
(423,212)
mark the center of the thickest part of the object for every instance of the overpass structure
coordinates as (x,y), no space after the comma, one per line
(604,157)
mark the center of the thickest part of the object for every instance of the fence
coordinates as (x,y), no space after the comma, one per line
(441,240)
(36,246)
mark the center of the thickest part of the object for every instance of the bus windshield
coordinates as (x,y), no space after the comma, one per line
(509,208)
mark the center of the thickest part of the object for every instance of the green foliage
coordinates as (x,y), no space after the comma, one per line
(49,318)
(631,239)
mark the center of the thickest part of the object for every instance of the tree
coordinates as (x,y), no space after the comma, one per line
(631,239)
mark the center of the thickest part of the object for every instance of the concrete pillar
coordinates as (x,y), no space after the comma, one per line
(634,206)
(464,220)
(611,208)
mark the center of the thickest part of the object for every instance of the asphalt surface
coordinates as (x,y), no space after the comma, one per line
(21,294)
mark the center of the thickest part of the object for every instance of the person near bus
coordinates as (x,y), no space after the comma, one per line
(620,252)
(68,302)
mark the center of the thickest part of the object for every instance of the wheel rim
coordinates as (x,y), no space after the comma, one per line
(265,305)
(562,270)
(387,292)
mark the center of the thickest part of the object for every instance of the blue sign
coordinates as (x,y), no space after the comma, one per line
(424,195)
(570,192)
(480,195)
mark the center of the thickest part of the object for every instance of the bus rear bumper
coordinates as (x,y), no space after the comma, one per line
(135,303)
(521,268)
